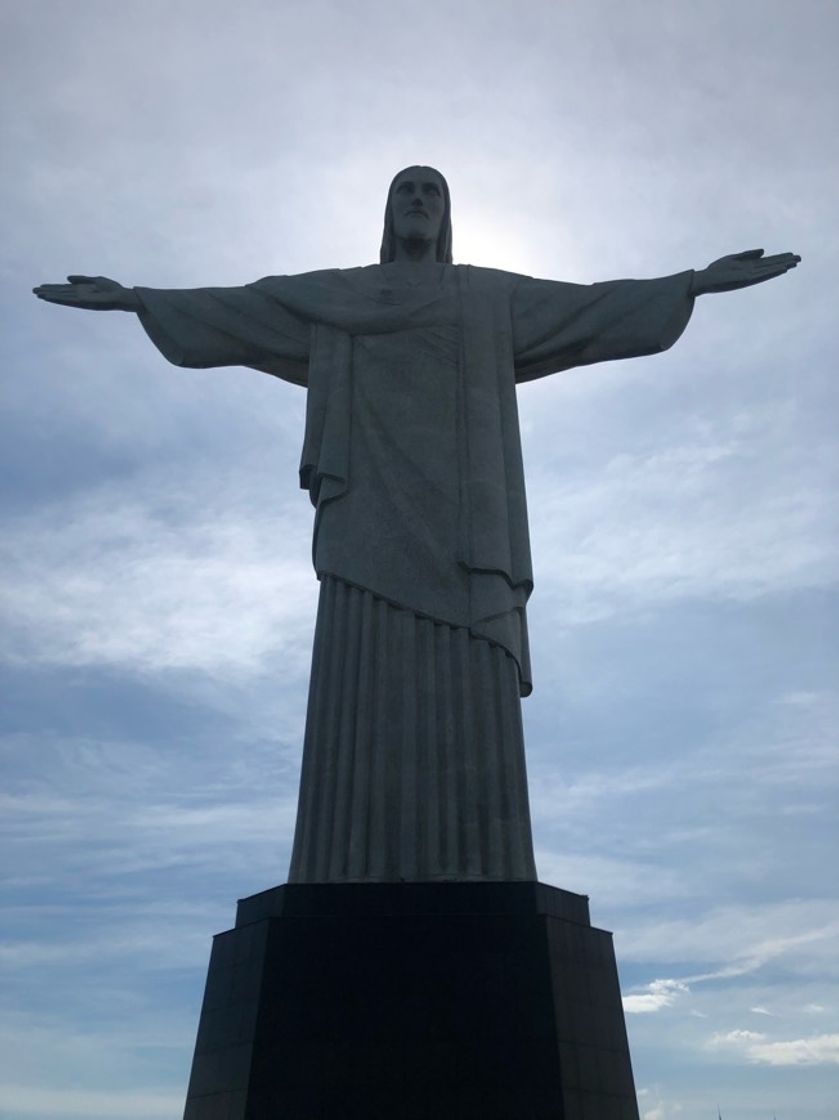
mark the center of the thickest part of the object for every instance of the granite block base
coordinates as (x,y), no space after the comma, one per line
(412,1001)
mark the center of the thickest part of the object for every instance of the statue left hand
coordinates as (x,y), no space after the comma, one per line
(740,270)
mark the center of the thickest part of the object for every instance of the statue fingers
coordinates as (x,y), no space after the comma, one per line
(55,291)
(777,268)
(737,258)
(788,260)
(758,276)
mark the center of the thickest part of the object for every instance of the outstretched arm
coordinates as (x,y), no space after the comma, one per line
(93,293)
(202,327)
(557,326)
(741,270)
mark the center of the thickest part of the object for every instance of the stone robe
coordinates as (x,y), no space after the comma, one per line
(412,459)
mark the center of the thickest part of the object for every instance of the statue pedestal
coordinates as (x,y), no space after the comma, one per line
(412,1001)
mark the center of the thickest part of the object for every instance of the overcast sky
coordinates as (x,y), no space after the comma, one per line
(154,548)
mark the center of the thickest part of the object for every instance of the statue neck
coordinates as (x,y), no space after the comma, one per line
(418,251)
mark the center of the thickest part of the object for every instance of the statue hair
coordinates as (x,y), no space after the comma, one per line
(444,240)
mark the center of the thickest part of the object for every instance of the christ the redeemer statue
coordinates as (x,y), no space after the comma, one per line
(413,762)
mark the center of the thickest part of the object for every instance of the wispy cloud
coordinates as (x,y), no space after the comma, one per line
(111,580)
(619,881)
(736,937)
(665,992)
(32,1100)
(659,994)
(656,1105)
(821,1049)
(625,541)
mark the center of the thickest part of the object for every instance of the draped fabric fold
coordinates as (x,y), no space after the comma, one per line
(488,554)
(413,762)
(412,452)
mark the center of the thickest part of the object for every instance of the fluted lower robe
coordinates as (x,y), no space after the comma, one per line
(413,764)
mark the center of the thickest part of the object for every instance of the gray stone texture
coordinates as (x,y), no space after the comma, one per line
(414,751)
(412,459)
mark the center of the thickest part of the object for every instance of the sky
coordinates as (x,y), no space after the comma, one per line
(157,595)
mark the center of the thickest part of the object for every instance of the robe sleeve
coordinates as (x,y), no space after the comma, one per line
(205,327)
(557,326)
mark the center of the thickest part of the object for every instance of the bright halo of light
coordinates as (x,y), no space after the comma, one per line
(478,240)
(487,238)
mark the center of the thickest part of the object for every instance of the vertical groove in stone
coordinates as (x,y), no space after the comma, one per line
(447,774)
(467,756)
(328,741)
(520,850)
(413,761)
(430,791)
(408,792)
(374,824)
(310,808)
(493,783)
(365,732)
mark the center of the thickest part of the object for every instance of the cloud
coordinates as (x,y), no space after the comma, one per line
(659,994)
(119,579)
(579,791)
(655,1105)
(736,1036)
(818,1050)
(32,1100)
(113,835)
(735,936)
(624,541)
(768,950)
(172,942)
(822,1049)
(620,882)
(665,992)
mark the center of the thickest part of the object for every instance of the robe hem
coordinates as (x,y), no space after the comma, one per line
(525,686)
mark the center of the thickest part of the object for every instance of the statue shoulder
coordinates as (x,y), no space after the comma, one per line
(488,279)
(323,275)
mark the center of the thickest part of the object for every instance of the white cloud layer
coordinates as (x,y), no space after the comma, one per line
(692,521)
(821,1049)
(659,994)
(31,1100)
(735,936)
(136,584)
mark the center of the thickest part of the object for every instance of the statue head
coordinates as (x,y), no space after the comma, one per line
(418,205)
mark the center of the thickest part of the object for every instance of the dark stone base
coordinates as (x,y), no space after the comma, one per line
(412,1001)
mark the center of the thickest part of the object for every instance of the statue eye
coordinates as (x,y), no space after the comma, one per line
(431,188)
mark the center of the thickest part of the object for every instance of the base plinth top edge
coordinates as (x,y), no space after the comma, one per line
(404,899)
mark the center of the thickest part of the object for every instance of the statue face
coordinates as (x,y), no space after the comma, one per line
(418,205)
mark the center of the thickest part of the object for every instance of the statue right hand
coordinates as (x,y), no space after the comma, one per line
(94,293)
